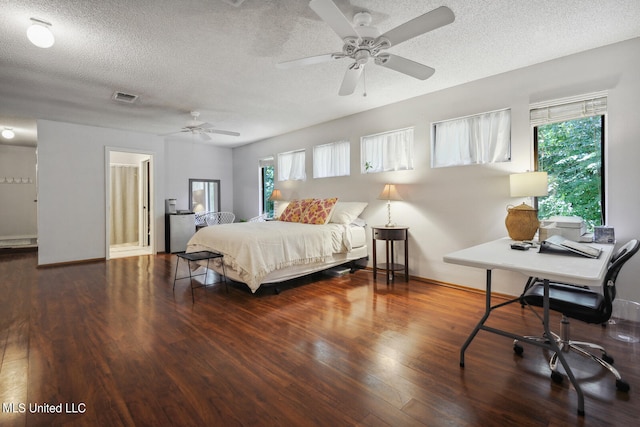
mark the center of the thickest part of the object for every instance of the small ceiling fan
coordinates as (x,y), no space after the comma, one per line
(196,127)
(362,42)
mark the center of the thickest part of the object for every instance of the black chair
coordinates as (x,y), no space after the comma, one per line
(581,303)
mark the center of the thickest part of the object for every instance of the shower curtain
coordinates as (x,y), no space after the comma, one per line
(124,205)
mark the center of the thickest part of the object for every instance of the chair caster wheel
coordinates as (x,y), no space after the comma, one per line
(557,377)
(622,386)
(607,358)
(518,349)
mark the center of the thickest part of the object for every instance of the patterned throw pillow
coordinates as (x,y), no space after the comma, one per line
(295,210)
(319,211)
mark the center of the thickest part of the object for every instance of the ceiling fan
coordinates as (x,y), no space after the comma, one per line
(196,127)
(363,43)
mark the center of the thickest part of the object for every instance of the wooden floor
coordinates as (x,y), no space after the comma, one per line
(110,344)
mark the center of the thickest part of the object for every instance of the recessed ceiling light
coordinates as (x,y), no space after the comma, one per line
(8,133)
(40,34)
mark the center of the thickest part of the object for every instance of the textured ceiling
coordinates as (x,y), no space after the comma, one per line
(220,58)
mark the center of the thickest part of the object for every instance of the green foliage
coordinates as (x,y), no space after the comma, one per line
(570,152)
(268,182)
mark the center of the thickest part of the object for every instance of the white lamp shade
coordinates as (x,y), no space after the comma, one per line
(276,195)
(40,35)
(389,192)
(529,184)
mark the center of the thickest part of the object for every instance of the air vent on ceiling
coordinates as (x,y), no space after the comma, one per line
(235,3)
(124,97)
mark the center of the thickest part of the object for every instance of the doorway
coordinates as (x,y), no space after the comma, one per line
(129,204)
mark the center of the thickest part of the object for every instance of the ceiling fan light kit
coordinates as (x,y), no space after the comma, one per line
(363,42)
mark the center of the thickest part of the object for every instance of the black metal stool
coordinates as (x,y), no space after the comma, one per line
(195,257)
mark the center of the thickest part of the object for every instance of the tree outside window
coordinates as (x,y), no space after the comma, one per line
(267,179)
(571,152)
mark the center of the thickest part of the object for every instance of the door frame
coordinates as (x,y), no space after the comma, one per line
(145,183)
(149,212)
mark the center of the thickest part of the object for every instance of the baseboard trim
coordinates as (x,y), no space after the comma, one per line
(452,286)
(65,263)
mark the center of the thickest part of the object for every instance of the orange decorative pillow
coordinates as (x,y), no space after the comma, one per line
(295,210)
(319,211)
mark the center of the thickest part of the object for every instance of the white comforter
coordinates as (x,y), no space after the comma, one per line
(254,249)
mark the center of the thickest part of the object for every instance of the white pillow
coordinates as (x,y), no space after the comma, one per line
(346,212)
(359,222)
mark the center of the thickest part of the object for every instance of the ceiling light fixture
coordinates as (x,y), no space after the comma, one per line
(40,34)
(8,133)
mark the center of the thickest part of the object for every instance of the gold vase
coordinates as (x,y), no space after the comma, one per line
(522,222)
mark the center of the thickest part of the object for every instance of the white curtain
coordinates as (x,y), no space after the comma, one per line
(291,166)
(483,138)
(389,151)
(124,205)
(331,159)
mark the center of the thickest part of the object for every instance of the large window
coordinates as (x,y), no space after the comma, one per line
(482,138)
(331,159)
(388,151)
(569,141)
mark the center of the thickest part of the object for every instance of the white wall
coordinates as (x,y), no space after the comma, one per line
(71,175)
(199,160)
(451,208)
(71,188)
(17,206)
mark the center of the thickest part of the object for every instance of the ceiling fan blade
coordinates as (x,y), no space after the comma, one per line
(310,60)
(222,132)
(329,12)
(205,125)
(350,80)
(174,133)
(204,136)
(422,24)
(404,65)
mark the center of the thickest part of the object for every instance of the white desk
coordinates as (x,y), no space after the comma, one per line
(565,268)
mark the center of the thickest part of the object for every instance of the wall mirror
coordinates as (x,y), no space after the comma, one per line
(204,195)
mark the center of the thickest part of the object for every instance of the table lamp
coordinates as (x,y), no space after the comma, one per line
(389,193)
(522,220)
(275,197)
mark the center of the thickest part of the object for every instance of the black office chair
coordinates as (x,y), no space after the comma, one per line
(581,303)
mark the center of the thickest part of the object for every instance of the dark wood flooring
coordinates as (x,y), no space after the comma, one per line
(110,344)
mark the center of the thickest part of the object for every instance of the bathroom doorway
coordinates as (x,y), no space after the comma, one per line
(129,204)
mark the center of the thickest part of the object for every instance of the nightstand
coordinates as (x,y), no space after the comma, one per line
(389,235)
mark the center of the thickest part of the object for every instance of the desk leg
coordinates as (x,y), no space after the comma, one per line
(558,351)
(487,311)
(552,343)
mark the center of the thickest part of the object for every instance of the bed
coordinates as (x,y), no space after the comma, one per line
(257,253)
